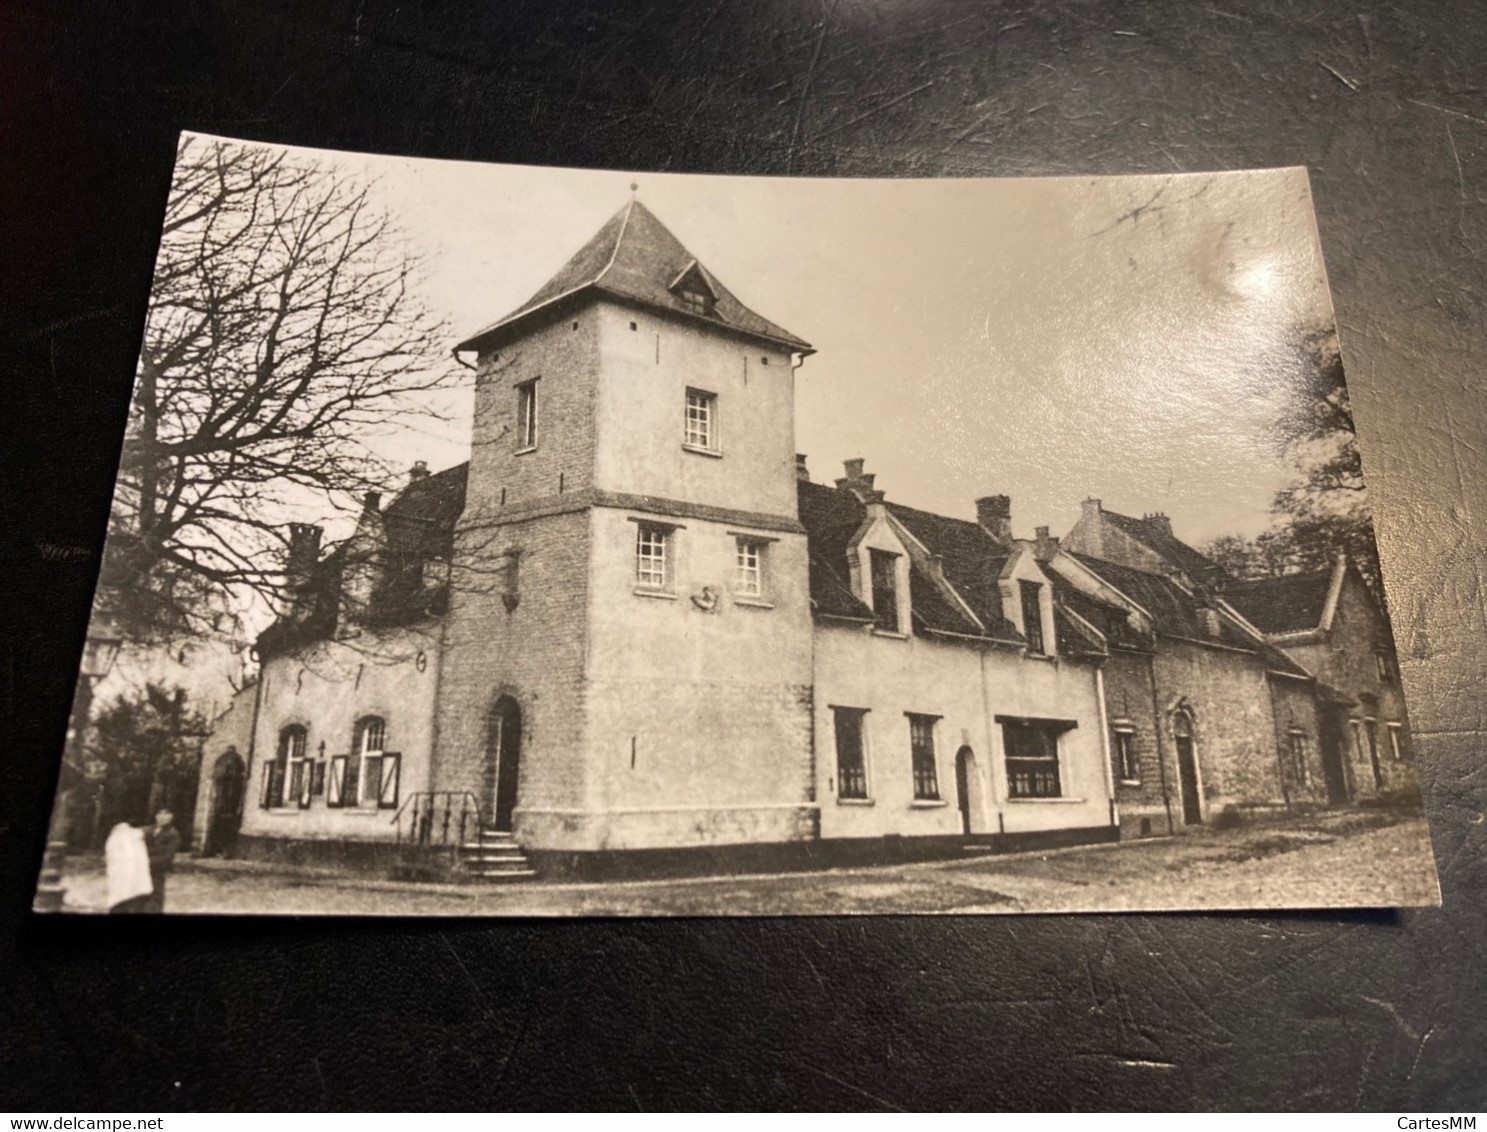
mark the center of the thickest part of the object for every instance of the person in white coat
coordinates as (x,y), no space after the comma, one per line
(126,863)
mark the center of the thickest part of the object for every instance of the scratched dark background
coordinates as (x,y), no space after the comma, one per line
(1386,104)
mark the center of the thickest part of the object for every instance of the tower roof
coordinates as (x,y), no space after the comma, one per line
(634,257)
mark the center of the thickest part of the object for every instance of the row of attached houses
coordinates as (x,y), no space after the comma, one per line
(631,628)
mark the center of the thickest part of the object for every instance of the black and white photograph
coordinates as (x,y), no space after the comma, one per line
(514,541)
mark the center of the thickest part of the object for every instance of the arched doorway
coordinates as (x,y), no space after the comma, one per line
(503,761)
(226,813)
(968,791)
(1187,767)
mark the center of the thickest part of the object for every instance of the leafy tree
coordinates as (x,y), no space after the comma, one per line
(146,751)
(284,335)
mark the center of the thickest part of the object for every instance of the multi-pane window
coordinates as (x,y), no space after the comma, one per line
(1297,742)
(367,750)
(702,420)
(526,415)
(651,546)
(1032,615)
(695,301)
(884,565)
(851,759)
(1123,746)
(748,573)
(1032,760)
(922,756)
(285,782)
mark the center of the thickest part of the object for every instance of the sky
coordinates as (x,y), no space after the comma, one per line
(1047,339)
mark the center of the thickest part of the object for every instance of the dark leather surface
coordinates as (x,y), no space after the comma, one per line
(1384,103)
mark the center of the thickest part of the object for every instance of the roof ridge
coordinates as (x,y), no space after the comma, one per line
(618,240)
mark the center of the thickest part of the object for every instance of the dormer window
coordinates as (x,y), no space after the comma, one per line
(885,588)
(1032,616)
(696,302)
(693,291)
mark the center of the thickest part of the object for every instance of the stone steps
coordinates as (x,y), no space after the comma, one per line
(494,856)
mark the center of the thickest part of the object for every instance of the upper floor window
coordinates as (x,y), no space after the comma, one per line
(526,415)
(1032,759)
(885,588)
(749,567)
(1032,615)
(652,556)
(1394,748)
(922,756)
(1123,747)
(1387,666)
(851,758)
(701,421)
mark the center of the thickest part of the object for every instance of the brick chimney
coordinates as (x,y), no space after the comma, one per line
(994,514)
(858,482)
(1158,522)
(1090,508)
(299,564)
(1045,546)
(371,503)
(419,471)
(801,473)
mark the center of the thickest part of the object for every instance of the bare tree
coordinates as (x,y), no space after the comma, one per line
(284,335)
(1325,509)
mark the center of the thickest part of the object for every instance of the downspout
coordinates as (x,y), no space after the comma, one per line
(253,739)
(1156,727)
(1280,755)
(991,779)
(1105,743)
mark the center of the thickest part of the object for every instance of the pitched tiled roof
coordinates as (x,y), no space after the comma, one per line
(972,563)
(635,257)
(419,525)
(831,518)
(1173,610)
(1177,613)
(1291,603)
(1109,619)
(422,516)
(1154,534)
(970,560)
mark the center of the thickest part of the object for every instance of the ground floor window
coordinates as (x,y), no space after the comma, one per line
(1394,748)
(922,756)
(1031,749)
(285,779)
(851,757)
(370,775)
(1297,743)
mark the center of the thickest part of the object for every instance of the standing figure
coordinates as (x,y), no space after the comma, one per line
(162,841)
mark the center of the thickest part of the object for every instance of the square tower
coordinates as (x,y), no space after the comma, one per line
(628,653)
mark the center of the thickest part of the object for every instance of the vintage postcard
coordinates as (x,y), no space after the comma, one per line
(517,541)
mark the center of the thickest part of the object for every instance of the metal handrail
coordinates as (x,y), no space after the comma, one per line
(432,815)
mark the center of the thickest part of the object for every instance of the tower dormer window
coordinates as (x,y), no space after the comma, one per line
(696,302)
(693,292)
